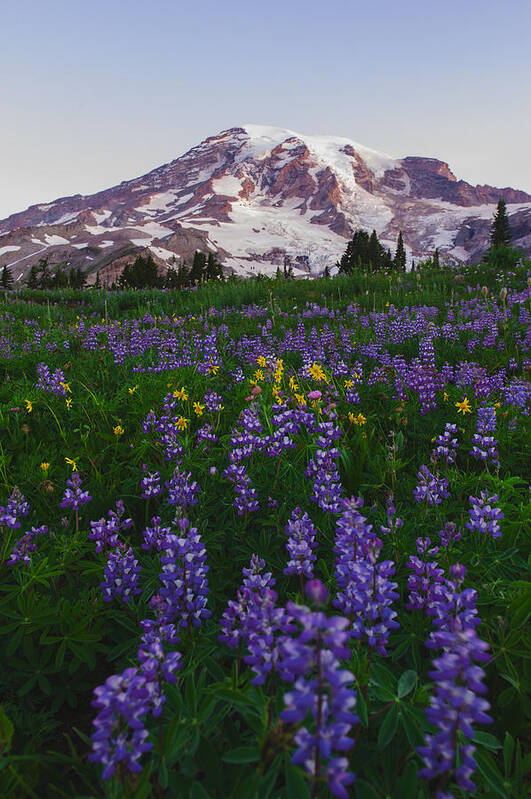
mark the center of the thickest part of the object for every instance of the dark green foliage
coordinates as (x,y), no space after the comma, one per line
(500,233)
(6,281)
(364,252)
(142,273)
(435,259)
(399,261)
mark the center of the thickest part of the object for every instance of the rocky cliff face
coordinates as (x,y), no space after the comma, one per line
(257,196)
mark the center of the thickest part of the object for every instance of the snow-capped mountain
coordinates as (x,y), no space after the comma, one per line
(258,195)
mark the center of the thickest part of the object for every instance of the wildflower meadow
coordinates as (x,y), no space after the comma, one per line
(267,539)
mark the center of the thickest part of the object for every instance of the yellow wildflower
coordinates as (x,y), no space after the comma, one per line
(118,430)
(497,405)
(45,466)
(445,397)
(213,369)
(132,390)
(66,387)
(317,372)
(261,361)
(463,407)
(72,463)
(301,399)
(360,420)
(198,408)
(180,394)
(258,375)
(293,384)
(351,416)
(29,405)
(349,383)
(68,401)
(182,423)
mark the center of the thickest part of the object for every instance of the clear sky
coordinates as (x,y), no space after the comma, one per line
(93,92)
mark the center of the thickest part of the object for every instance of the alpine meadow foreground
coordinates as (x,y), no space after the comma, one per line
(267,539)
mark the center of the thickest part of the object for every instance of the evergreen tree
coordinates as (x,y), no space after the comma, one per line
(326,273)
(435,259)
(214,270)
(33,280)
(500,232)
(198,271)
(374,253)
(399,261)
(7,278)
(356,254)
(172,278)
(142,273)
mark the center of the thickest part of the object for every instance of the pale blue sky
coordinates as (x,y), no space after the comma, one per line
(93,92)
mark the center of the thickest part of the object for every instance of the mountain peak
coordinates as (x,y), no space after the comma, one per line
(258,196)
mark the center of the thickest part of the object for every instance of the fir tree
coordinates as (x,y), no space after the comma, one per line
(7,278)
(214,270)
(33,280)
(198,271)
(399,261)
(500,232)
(435,259)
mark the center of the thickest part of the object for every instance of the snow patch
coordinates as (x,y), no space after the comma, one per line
(9,248)
(53,239)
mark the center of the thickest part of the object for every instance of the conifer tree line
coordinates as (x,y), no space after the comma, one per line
(367,252)
(143,272)
(42,276)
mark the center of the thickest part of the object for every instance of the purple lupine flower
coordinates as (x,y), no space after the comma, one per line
(120,735)
(484,447)
(394,522)
(213,401)
(426,578)
(183,576)
(157,665)
(246,496)
(74,497)
(120,575)
(105,532)
(205,435)
(150,484)
(15,508)
(155,535)
(25,546)
(265,628)
(457,703)
(182,490)
(431,489)
(486,420)
(327,489)
(449,534)
(301,543)
(234,619)
(445,446)
(51,382)
(483,516)
(322,692)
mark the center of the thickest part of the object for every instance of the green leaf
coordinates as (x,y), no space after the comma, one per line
(408,782)
(388,729)
(489,770)
(364,790)
(508,752)
(361,710)
(242,754)
(6,731)
(486,739)
(296,785)
(406,683)
(198,792)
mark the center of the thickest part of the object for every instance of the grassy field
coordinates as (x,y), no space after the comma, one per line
(359,446)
